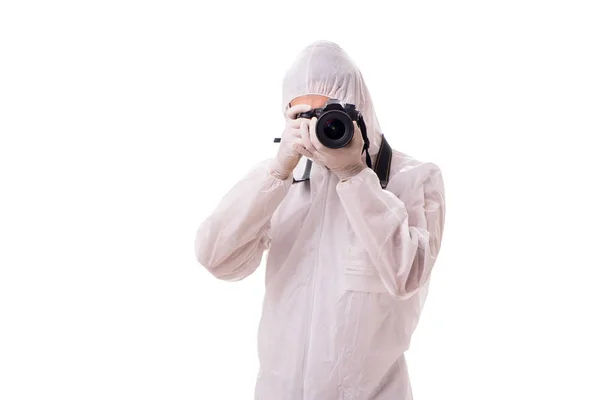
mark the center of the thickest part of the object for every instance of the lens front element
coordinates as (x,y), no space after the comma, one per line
(335,129)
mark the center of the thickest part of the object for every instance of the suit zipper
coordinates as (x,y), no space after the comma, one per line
(314,282)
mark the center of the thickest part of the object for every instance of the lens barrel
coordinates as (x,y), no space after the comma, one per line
(335,127)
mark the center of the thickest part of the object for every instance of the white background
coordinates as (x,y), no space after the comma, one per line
(123,123)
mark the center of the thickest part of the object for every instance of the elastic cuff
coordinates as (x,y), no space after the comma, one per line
(277,172)
(351,172)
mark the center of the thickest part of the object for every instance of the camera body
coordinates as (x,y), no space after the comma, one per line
(335,127)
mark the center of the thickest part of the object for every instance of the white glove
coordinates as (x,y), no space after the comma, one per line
(345,162)
(287,156)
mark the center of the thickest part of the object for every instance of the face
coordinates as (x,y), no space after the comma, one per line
(313,100)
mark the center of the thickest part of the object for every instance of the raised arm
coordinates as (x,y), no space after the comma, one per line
(400,228)
(230,243)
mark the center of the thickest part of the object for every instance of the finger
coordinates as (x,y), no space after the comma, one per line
(291,129)
(314,157)
(304,131)
(316,144)
(318,159)
(296,133)
(300,149)
(357,139)
(292,112)
(294,123)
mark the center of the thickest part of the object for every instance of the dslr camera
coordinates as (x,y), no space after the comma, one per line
(335,127)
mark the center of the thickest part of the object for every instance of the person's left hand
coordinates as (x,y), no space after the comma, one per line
(345,162)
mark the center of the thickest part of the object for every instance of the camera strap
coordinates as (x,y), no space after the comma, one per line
(363,130)
(384,162)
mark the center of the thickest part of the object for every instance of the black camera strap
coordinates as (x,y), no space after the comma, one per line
(384,162)
(363,130)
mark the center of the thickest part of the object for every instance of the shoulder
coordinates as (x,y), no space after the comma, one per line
(408,173)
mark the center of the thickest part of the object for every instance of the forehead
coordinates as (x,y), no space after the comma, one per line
(313,100)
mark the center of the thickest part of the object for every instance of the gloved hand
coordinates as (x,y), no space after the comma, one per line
(345,162)
(287,156)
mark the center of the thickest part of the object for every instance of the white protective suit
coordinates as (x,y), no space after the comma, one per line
(348,264)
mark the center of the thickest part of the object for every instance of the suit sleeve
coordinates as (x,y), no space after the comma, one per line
(401,232)
(230,243)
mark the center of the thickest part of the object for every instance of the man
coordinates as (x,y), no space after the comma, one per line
(349,260)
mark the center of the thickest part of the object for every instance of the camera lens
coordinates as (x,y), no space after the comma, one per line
(334,129)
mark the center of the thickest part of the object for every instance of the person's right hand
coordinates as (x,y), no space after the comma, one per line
(287,157)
